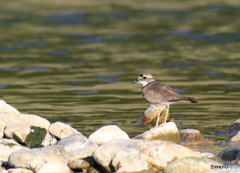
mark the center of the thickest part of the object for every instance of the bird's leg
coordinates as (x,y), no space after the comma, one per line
(160,110)
(167,110)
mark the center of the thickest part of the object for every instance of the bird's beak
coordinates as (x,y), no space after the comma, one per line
(133,82)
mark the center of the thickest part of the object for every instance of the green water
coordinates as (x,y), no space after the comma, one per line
(74,61)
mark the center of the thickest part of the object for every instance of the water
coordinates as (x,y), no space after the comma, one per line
(71,63)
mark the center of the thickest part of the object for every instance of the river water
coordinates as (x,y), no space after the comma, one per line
(75,62)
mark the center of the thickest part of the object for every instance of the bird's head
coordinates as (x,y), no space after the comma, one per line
(144,79)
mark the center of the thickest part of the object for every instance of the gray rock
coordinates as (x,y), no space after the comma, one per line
(35,158)
(54,168)
(234,142)
(108,133)
(138,155)
(78,146)
(168,132)
(2,126)
(18,132)
(61,130)
(8,146)
(190,165)
(19,170)
(10,115)
(232,129)
(230,155)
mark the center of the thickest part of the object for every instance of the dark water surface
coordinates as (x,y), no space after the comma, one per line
(74,63)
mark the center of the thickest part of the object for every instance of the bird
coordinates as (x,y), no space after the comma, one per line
(159,94)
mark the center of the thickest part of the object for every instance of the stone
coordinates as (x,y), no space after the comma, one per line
(193,138)
(168,132)
(108,133)
(10,115)
(54,168)
(78,146)
(139,155)
(190,135)
(230,155)
(149,117)
(234,142)
(35,158)
(19,170)
(61,130)
(208,155)
(222,144)
(36,137)
(18,132)
(231,130)
(190,165)
(2,126)
(8,146)
(74,163)
(49,141)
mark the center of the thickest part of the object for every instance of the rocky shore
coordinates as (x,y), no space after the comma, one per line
(29,143)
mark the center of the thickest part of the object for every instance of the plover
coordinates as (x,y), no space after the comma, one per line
(159,94)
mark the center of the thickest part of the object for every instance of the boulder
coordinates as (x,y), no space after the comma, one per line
(192,138)
(168,132)
(231,130)
(54,168)
(234,142)
(149,117)
(2,126)
(190,165)
(108,133)
(74,163)
(61,130)
(230,155)
(139,155)
(18,132)
(19,170)
(10,115)
(8,146)
(34,159)
(78,146)
(49,141)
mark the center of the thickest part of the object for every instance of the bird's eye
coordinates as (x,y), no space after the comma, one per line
(144,78)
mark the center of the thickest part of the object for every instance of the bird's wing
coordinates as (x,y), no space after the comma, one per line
(159,93)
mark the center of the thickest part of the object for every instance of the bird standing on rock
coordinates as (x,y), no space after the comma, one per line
(159,94)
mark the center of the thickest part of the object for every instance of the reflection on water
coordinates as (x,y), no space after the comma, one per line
(76,66)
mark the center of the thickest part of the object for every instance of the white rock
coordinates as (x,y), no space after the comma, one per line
(54,168)
(35,158)
(61,130)
(108,133)
(78,146)
(2,126)
(19,132)
(139,155)
(168,132)
(19,170)
(49,141)
(6,150)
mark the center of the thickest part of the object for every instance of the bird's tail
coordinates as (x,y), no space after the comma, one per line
(190,99)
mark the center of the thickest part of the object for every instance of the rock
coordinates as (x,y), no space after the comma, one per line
(208,155)
(36,137)
(35,158)
(168,132)
(108,133)
(234,142)
(230,155)
(61,130)
(78,146)
(49,141)
(190,135)
(190,165)
(18,132)
(232,129)
(10,115)
(2,126)
(8,146)
(222,144)
(19,170)
(80,163)
(54,167)
(138,155)
(149,117)
(192,138)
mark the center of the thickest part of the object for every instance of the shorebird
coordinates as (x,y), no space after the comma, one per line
(159,94)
